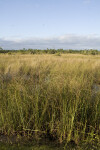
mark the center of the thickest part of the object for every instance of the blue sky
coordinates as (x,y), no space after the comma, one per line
(50,24)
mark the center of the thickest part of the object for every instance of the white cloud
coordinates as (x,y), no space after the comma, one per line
(68,41)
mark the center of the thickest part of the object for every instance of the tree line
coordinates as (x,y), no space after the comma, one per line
(50,51)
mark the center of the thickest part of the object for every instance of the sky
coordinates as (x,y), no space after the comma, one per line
(42,24)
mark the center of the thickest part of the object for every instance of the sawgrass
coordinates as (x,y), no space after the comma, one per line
(50,96)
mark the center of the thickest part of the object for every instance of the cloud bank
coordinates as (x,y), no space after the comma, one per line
(69,41)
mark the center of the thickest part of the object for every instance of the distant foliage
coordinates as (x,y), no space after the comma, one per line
(90,52)
(51,51)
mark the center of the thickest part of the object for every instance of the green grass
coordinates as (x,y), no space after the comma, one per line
(27,147)
(49,146)
(46,96)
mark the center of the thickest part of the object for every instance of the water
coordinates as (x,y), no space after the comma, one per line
(96,88)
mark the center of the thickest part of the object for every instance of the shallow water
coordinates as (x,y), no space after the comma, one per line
(96,88)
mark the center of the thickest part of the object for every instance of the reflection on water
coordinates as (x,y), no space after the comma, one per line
(96,88)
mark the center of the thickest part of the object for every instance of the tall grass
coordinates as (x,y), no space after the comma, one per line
(51,96)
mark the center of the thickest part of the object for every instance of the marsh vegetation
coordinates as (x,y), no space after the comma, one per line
(50,97)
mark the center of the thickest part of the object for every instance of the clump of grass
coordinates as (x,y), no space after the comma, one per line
(50,96)
(58,54)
